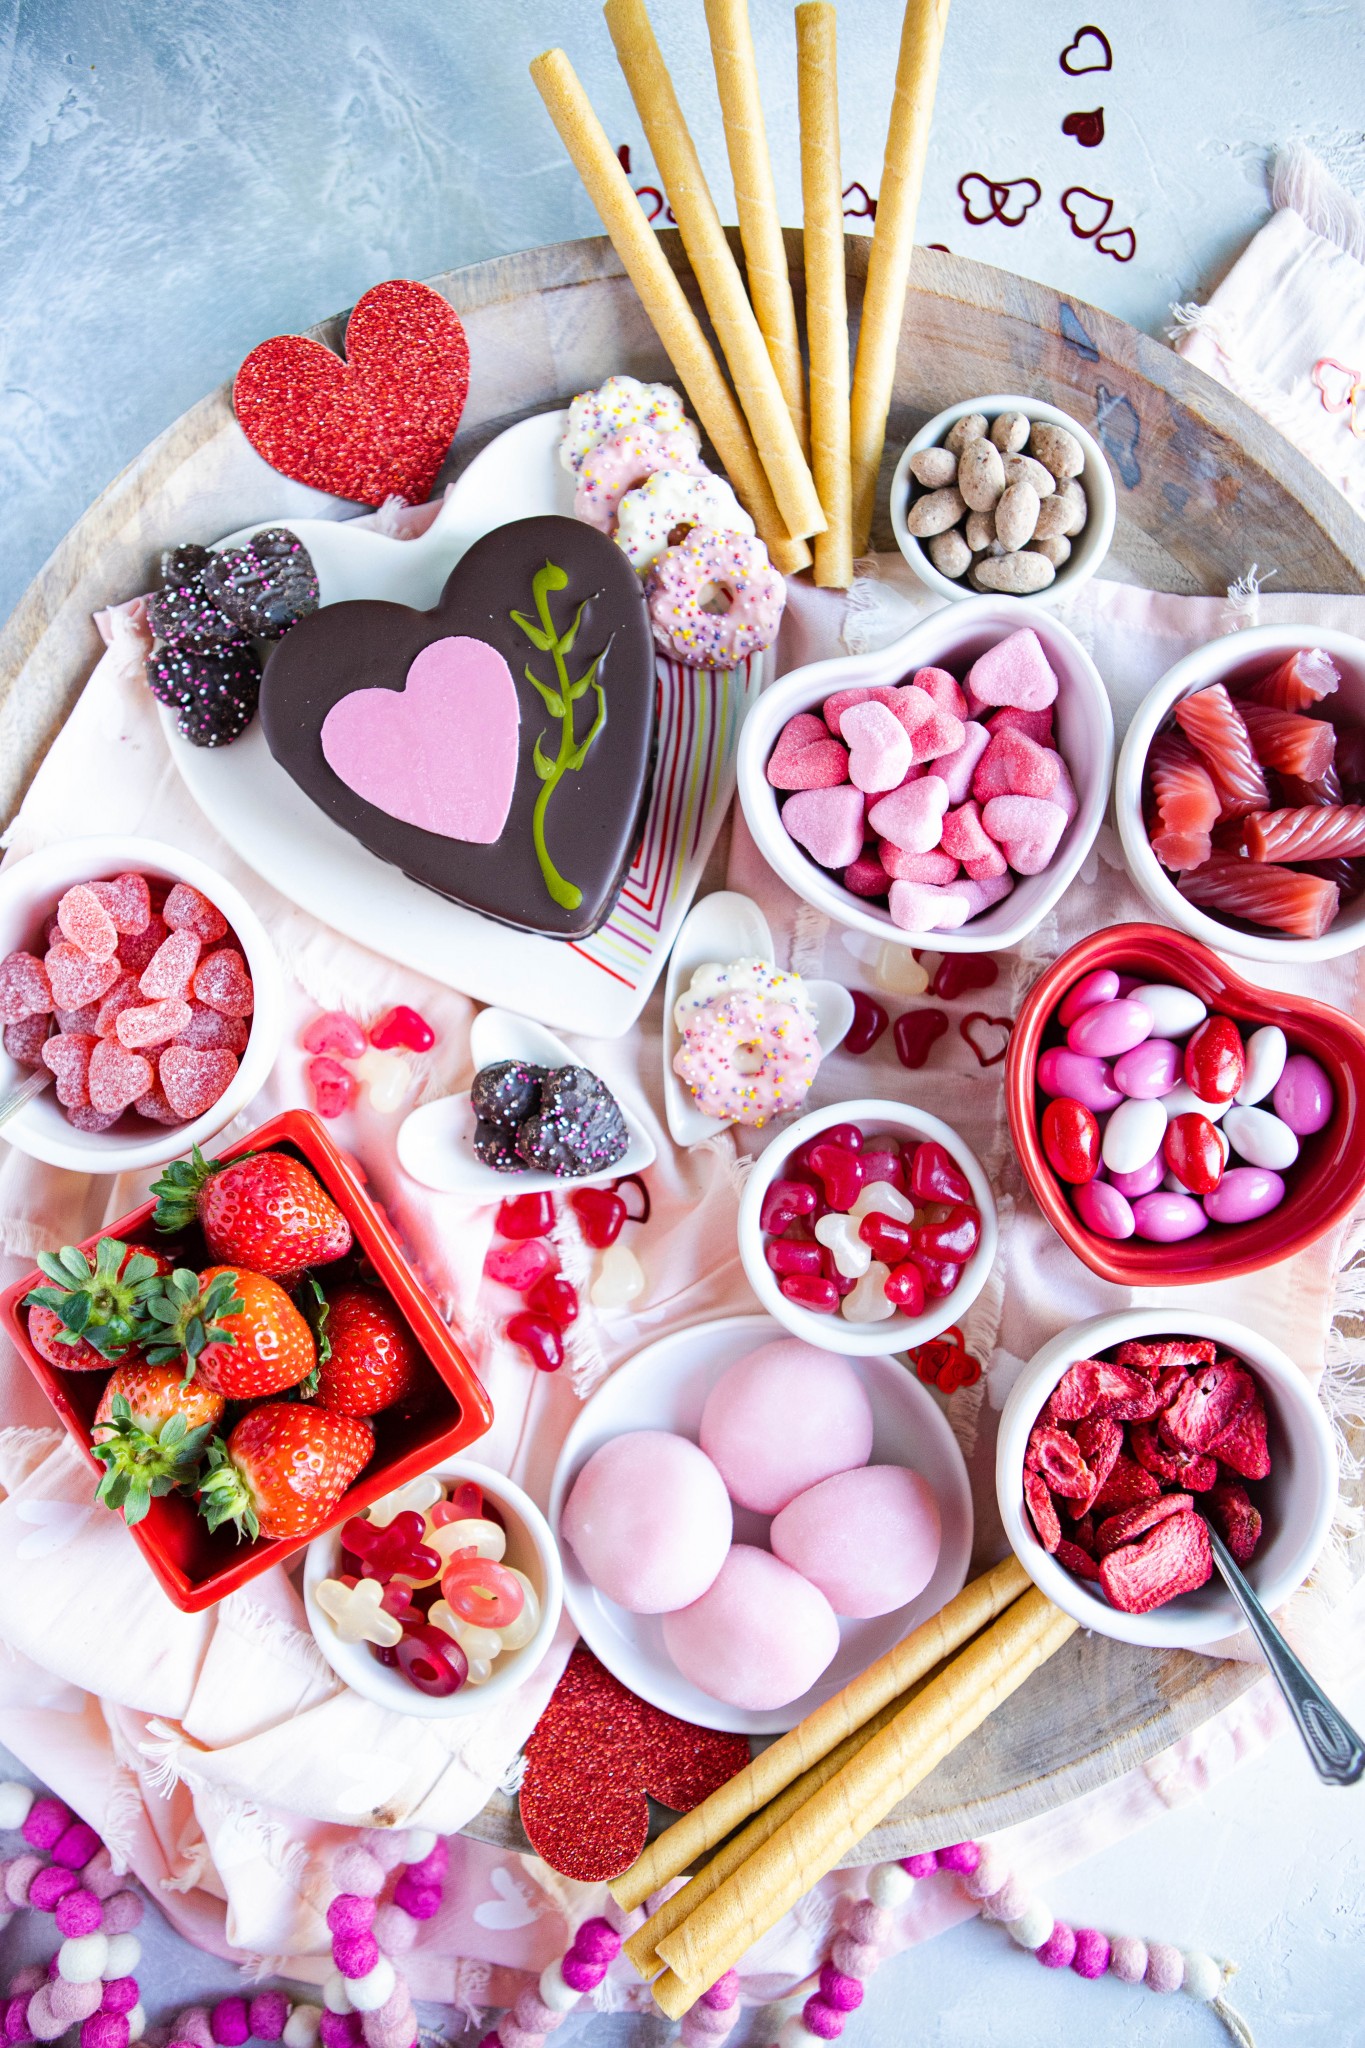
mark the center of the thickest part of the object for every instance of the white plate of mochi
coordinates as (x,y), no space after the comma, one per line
(665,1388)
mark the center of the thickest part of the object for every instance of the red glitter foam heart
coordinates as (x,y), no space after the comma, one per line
(378,424)
(594,1754)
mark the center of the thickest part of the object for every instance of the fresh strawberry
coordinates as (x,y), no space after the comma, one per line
(235,1331)
(92,1314)
(283,1469)
(266,1211)
(150,1432)
(368,1358)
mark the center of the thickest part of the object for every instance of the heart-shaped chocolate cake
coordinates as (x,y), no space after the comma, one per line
(498,748)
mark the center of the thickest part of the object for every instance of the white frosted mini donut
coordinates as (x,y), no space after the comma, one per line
(620,402)
(621,462)
(752,975)
(647,515)
(704,567)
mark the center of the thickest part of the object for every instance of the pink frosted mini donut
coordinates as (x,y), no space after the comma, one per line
(687,578)
(622,461)
(747,1057)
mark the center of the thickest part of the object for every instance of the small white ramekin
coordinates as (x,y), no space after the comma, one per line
(1297,1500)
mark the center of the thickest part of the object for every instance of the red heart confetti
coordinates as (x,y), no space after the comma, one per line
(1120,243)
(979,1039)
(592,1758)
(1088,129)
(1087,211)
(378,424)
(1088,50)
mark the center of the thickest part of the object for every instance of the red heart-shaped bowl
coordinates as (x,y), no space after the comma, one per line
(1324,1183)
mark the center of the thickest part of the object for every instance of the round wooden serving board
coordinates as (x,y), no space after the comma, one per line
(1205,487)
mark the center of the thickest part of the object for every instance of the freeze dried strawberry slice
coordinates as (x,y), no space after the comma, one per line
(1149,1357)
(1167,1462)
(1137,1521)
(1082,1533)
(1244,1446)
(1076,1560)
(1169,1380)
(1175,1558)
(1090,1387)
(1208,1403)
(1100,1441)
(1127,1484)
(1042,1511)
(1235,1518)
(1057,1456)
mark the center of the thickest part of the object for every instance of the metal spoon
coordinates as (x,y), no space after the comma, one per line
(1337,1752)
(13,1100)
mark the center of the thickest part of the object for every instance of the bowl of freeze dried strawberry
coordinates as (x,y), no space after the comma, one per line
(1126,1437)
(246,1360)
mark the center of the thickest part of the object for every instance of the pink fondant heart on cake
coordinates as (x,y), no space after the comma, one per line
(441,752)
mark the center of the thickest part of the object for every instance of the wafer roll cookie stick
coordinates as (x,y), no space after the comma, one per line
(830,1825)
(760,227)
(717,273)
(893,243)
(676,325)
(850,1709)
(822,191)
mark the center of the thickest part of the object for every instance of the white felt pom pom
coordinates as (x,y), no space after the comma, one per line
(369,1992)
(336,1993)
(419,1845)
(1203,1977)
(794,2033)
(82,1957)
(125,1953)
(1032,1928)
(5,1917)
(889,1885)
(15,1801)
(554,1992)
(137,2020)
(302,2026)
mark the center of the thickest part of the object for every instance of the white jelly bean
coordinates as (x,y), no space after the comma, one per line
(1266,1051)
(1260,1138)
(1175,1011)
(840,1235)
(620,1278)
(1182,1098)
(886,1200)
(1133,1133)
(868,1303)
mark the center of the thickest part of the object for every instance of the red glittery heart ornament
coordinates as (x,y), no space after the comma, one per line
(595,1753)
(378,424)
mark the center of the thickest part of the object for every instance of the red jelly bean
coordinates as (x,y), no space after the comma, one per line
(520,1265)
(881,1163)
(940,1275)
(784,1201)
(784,1255)
(954,1238)
(526,1216)
(916,1033)
(890,1240)
(1194,1153)
(601,1213)
(869,1022)
(432,1661)
(555,1297)
(847,1135)
(538,1337)
(840,1282)
(1215,1060)
(904,1285)
(840,1171)
(1071,1140)
(935,1175)
(402,1026)
(959,972)
(809,1291)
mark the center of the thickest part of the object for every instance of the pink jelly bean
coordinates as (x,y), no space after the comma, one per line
(335,1033)
(1167,1218)
(1110,1028)
(1100,987)
(519,1265)
(784,1201)
(1103,1209)
(1148,1070)
(402,1026)
(1091,1081)
(809,1291)
(1142,1180)
(785,1255)
(1303,1097)
(334,1090)
(1243,1194)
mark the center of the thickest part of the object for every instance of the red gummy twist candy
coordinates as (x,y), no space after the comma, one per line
(526,1216)
(958,973)
(185,910)
(916,1033)
(869,1022)
(432,1661)
(784,1256)
(334,1089)
(935,1175)
(1071,1140)
(784,1201)
(221,980)
(840,1171)
(555,1297)
(482,1592)
(464,1505)
(402,1026)
(538,1337)
(171,968)
(520,1265)
(807,1290)
(87,924)
(633,1180)
(332,1033)
(601,1213)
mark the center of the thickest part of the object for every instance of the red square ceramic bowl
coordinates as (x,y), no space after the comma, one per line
(1325,1182)
(193,1567)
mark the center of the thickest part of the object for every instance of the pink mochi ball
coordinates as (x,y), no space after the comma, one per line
(649,1521)
(781,1420)
(868,1539)
(758,1638)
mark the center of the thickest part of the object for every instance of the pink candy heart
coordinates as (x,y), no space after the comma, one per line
(1015,765)
(1037,724)
(1027,828)
(1015,671)
(964,836)
(943,688)
(981,895)
(867,876)
(865,693)
(806,757)
(958,768)
(879,746)
(933,731)
(934,866)
(828,823)
(919,907)
(911,817)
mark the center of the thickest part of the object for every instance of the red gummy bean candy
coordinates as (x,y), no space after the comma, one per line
(847,1135)
(333,1032)
(787,1256)
(935,1175)
(869,1022)
(783,1202)
(890,1240)
(128,901)
(334,1089)
(601,1213)
(958,973)
(523,1216)
(74,978)
(519,1265)
(555,1297)
(841,1283)
(68,1056)
(1192,1150)
(87,924)
(808,1290)
(881,1163)
(432,1661)
(1215,1059)
(171,968)
(221,980)
(840,1171)
(151,1023)
(916,1032)
(25,988)
(117,1077)
(402,1026)
(194,1079)
(185,910)
(940,1276)
(538,1337)
(955,1237)
(1071,1140)
(904,1285)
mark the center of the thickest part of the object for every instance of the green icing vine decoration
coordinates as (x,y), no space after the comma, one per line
(560,699)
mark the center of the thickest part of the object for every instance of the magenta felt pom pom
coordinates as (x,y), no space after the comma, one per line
(229,2022)
(48,1820)
(822,2020)
(122,1911)
(422,1901)
(1092,1952)
(723,1993)
(923,1865)
(50,1886)
(597,1942)
(105,2030)
(349,1913)
(16,2019)
(1056,1952)
(581,1975)
(80,1912)
(120,1995)
(433,1867)
(959,1856)
(335,2031)
(267,2015)
(76,1845)
(355,1955)
(844,1993)
(1165,1967)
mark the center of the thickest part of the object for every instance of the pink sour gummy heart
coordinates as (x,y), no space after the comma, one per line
(943,688)
(1015,671)
(1015,765)
(117,1076)
(152,1023)
(87,1018)
(981,891)
(334,1087)
(933,731)
(760,1635)
(25,988)
(138,949)
(402,1026)
(86,923)
(155,1107)
(866,876)
(193,1078)
(1037,724)
(171,967)
(68,1056)
(25,1038)
(124,995)
(336,1033)
(185,910)
(920,907)
(912,817)
(76,978)
(211,1031)
(862,693)
(879,746)
(957,768)
(828,823)
(1027,828)
(934,866)
(128,901)
(221,980)
(964,835)
(807,756)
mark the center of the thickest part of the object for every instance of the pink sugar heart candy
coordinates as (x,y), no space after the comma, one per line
(91,1119)
(155,1107)
(806,757)
(868,693)
(194,1077)
(209,1030)
(117,1076)
(25,988)
(185,910)
(1063,791)
(919,907)
(866,876)
(943,688)
(124,995)
(828,823)
(87,1018)
(1037,724)
(152,1023)
(128,901)
(171,967)
(981,894)
(86,923)
(933,866)
(1014,765)
(221,980)
(911,817)
(879,747)
(137,950)
(988,864)
(1015,671)
(68,1056)
(964,835)
(76,979)
(25,1038)
(1027,828)
(958,768)
(933,731)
